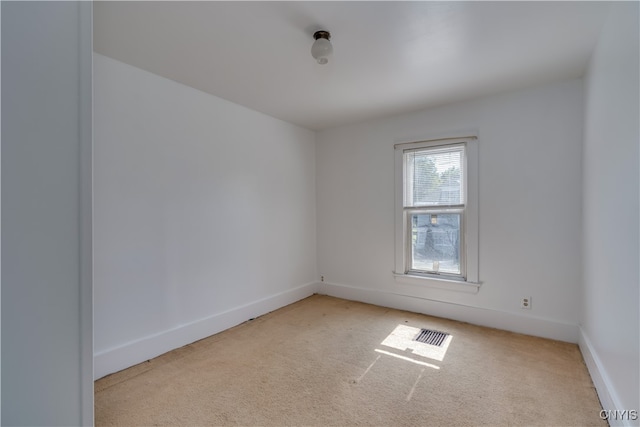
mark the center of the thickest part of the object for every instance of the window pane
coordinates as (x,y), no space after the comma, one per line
(435,244)
(434,177)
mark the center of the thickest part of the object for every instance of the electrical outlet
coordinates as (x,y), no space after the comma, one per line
(525,303)
(322,278)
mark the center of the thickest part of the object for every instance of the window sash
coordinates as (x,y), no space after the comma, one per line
(408,242)
(411,206)
(408,166)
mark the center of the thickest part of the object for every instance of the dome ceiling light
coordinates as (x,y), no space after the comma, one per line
(322,49)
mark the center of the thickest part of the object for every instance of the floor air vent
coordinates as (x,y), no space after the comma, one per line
(428,336)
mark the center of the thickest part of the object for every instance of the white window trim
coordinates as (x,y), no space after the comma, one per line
(471,229)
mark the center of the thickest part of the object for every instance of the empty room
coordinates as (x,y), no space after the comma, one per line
(320,213)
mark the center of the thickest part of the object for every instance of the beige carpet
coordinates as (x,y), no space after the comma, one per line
(326,361)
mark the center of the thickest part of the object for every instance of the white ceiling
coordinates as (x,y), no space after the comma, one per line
(389,57)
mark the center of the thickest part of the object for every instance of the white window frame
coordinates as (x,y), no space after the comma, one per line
(469,279)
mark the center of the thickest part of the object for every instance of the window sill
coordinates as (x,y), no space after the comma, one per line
(439,283)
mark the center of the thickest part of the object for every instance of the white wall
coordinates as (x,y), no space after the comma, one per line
(47,356)
(529,211)
(609,321)
(204,214)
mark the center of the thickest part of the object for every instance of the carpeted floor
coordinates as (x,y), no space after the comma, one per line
(326,361)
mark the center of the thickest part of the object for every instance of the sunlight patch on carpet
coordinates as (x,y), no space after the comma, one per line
(403,338)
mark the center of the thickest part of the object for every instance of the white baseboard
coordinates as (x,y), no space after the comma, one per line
(523,324)
(606,392)
(129,354)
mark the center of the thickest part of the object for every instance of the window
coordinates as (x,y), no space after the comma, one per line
(436,212)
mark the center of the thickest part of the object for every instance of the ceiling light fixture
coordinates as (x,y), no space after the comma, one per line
(322,49)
